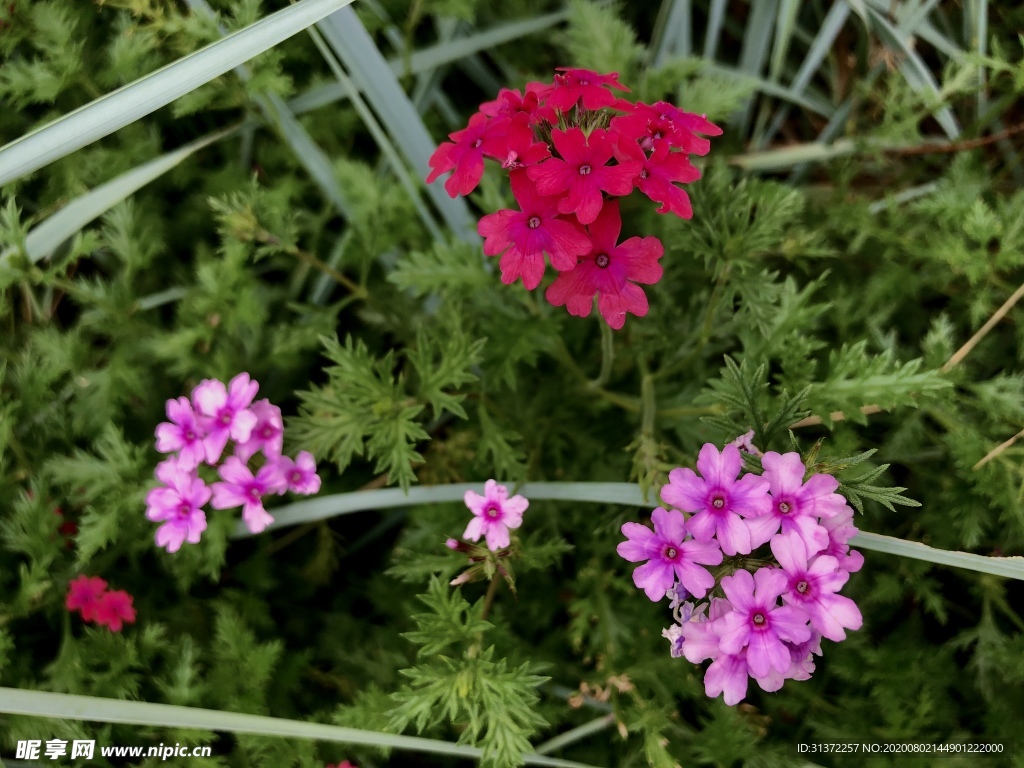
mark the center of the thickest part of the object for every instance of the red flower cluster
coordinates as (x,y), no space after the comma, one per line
(89,596)
(557,141)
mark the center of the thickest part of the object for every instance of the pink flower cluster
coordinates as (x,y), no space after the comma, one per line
(89,596)
(557,141)
(735,618)
(197,433)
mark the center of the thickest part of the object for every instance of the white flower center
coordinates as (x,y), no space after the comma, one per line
(602,260)
(533,222)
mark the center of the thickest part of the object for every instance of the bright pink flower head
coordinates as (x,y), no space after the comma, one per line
(796,505)
(841,529)
(183,433)
(529,233)
(241,488)
(298,476)
(611,271)
(178,505)
(813,587)
(591,87)
(658,176)
(522,147)
(267,434)
(227,412)
(512,103)
(115,609)
(494,514)
(727,675)
(483,136)
(662,123)
(343,764)
(757,624)
(719,500)
(582,173)
(84,595)
(669,556)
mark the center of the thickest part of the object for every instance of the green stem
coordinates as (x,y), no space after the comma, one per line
(607,357)
(492,591)
(648,402)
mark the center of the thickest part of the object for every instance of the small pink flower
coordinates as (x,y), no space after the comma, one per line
(813,587)
(795,505)
(719,500)
(241,488)
(178,505)
(524,236)
(757,624)
(494,514)
(658,175)
(84,595)
(669,556)
(226,411)
(841,529)
(582,173)
(115,608)
(298,476)
(267,434)
(612,270)
(592,87)
(465,153)
(727,675)
(183,433)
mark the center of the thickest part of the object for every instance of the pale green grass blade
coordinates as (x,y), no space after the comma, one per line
(579,733)
(155,300)
(979,42)
(716,17)
(274,108)
(787,157)
(785,25)
(913,68)
(148,94)
(380,136)
(831,26)
(808,99)
(677,35)
(598,493)
(46,237)
(354,47)
(757,38)
(435,56)
(94,709)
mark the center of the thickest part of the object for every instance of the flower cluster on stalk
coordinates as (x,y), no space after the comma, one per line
(197,433)
(763,612)
(557,141)
(95,603)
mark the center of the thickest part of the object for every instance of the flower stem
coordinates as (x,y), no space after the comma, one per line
(607,357)
(492,591)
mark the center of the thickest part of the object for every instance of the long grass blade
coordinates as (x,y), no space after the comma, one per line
(677,36)
(354,47)
(91,708)
(597,493)
(274,108)
(148,94)
(831,26)
(713,34)
(43,239)
(757,38)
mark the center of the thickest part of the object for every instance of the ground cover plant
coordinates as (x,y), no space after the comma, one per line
(415,382)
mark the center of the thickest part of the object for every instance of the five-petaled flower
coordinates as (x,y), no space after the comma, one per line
(494,514)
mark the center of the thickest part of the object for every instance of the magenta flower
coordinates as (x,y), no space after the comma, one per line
(241,488)
(267,434)
(84,595)
(227,412)
(813,587)
(795,505)
(178,505)
(494,514)
(591,87)
(298,476)
(611,271)
(582,173)
(700,641)
(727,675)
(658,176)
(465,153)
(663,123)
(522,148)
(669,556)
(841,529)
(183,434)
(529,233)
(719,500)
(114,609)
(757,624)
